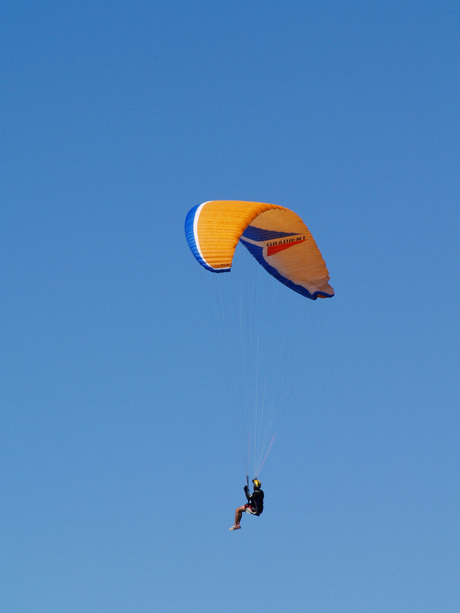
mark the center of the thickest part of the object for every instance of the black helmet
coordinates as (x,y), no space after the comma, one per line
(257,484)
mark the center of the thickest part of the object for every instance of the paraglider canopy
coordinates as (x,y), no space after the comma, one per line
(274,235)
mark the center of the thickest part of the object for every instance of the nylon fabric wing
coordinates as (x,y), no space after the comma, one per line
(274,235)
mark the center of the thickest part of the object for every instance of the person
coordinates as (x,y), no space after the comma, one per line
(254,505)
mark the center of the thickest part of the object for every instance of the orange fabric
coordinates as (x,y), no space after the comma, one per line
(220,226)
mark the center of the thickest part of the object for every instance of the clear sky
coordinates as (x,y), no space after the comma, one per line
(120,470)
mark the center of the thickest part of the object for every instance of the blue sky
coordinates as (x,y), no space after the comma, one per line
(120,470)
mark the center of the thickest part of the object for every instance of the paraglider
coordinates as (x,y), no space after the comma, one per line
(254,505)
(280,242)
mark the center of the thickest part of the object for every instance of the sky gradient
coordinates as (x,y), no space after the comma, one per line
(120,469)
